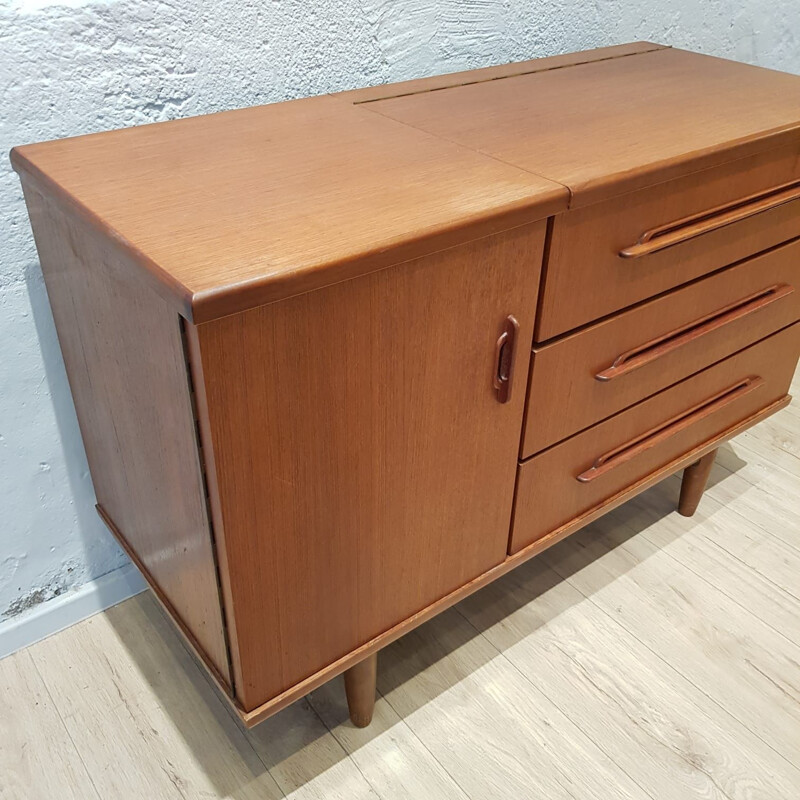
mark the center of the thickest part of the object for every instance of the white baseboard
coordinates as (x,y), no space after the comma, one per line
(59,613)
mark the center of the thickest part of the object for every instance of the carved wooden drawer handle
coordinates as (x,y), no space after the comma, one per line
(683,230)
(648,352)
(624,453)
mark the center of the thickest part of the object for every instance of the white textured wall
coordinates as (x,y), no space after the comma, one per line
(75,67)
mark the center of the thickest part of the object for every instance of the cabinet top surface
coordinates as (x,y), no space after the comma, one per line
(615,125)
(228,211)
(219,208)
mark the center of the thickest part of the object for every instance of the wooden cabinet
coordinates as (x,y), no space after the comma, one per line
(339,362)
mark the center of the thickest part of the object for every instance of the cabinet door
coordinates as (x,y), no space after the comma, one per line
(363,465)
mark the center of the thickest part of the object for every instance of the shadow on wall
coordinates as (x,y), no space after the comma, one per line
(102,552)
(297,745)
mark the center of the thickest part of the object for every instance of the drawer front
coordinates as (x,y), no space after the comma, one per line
(583,472)
(598,371)
(613,254)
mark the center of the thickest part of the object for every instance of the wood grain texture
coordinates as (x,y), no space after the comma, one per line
(365,468)
(682,230)
(135,702)
(734,544)
(359,685)
(743,491)
(346,190)
(749,669)
(617,125)
(305,759)
(52,767)
(232,210)
(548,491)
(388,753)
(488,725)
(586,242)
(654,721)
(124,355)
(565,396)
(195,367)
(360,469)
(222,680)
(695,478)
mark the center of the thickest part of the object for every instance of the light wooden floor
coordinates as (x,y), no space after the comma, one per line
(649,656)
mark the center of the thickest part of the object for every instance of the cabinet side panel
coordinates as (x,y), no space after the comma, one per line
(124,355)
(364,465)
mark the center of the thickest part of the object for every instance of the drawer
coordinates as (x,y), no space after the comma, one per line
(583,472)
(613,254)
(598,371)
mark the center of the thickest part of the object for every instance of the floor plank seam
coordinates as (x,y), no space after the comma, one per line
(428,750)
(223,703)
(341,746)
(732,597)
(659,742)
(777,495)
(549,699)
(65,726)
(760,528)
(720,546)
(687,678)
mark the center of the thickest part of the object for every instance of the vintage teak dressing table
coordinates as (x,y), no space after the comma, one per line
(339,362)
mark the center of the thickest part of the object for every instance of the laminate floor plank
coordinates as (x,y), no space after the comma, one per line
(755,570)
(665,733)
(142,716)
(741,663)
(305,758)
(765,496)
(748,540)
(388,753)
(794,389)
(773,443)
(485,722)
(37,756)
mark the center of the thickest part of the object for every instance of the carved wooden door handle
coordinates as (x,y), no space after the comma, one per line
(504,358)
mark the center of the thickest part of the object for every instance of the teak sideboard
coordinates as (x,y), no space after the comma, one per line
(339,362)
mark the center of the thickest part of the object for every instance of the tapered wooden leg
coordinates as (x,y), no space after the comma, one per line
(694,482)
(359,684)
